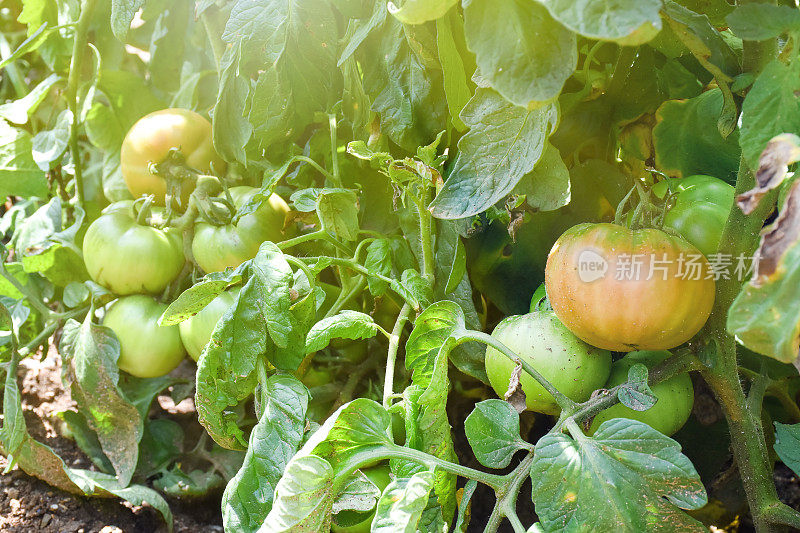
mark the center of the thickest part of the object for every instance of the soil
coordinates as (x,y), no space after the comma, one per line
(28,504)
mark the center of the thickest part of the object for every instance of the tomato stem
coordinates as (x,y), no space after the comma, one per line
(79,44)
(566,404)
(391,358)
(740,236)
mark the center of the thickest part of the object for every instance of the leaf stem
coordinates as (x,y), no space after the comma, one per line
(319,235)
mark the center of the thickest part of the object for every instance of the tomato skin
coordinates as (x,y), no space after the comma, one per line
(128,258)
(149,141)
(675,396)
(701,208)
(379,475)
(216,248)
(147,349)
(572,366)
(196,331)
(628,314)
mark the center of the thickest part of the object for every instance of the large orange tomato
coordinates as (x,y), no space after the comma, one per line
(150,140)
(625,290)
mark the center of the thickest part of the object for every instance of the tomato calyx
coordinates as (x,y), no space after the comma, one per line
(177,174)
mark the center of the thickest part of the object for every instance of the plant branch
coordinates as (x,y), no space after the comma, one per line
(391,358)
(78,46)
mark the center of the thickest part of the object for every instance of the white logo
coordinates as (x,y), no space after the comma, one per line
(591,266)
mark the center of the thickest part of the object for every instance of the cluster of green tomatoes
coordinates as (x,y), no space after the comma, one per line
(132,251)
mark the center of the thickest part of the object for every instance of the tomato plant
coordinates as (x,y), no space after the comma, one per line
(127,256)
(625,310)
(573,367)
(385,231)
(216,248)
(149,142)
(675,396)
(147,350)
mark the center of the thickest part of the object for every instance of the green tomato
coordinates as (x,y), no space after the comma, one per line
(575,368)
(127,257)
(196,331)
(675,396)
(701,208)
(379,475)
(216,248)
(150,140)
(147,349)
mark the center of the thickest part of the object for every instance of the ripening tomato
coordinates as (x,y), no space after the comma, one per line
(675,396)
(573,367)
(196,330)
(127,257)
(147,349)
(216,248)
(353,521)
(701,208)
(150,140)
(627,290)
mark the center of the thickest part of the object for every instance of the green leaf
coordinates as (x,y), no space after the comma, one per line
(521,51)
(503,144)
(90,369)
(419,11)
(196,298)
(122,13)
(469,357)
(379,260)
(770,108)
(637,394)
(338,212)
(19,111)
(231,129)
(492,430)
(628,477)
(49,145)
(347,324)
(787,445)
(546,187)
(609,20)
(715,10)
(702,38)
(406,94)
(303,500)
(273,442)
(459,269)
(687,141)
(297,42)
(226,371)
(454,73)
(402,504)
(759,22)
(61,265)
(19,174)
